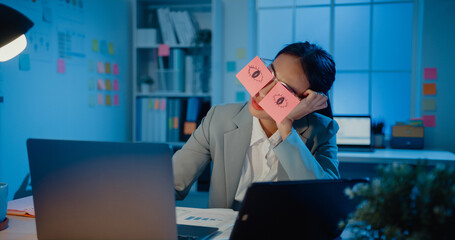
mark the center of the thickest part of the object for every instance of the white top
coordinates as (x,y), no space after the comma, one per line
(260,163)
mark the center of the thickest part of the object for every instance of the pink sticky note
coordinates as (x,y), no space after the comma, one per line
(61,65)
(254,76)
(101,85)
(279,102)
(115,70)
(100,67)
(100,99)
(116,86)
(429,120)
(430,73)
(164,50)
(116,101)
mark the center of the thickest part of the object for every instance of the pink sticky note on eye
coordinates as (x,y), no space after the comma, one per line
(116,86)
(164,50)
(254,76)
(100,67)
(279,102)
(115,69)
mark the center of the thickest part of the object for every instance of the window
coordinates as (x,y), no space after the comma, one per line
(371,42)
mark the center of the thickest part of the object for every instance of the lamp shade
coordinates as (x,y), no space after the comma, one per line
(13,25)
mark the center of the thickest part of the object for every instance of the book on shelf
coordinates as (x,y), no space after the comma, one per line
(177,27)
(167,119)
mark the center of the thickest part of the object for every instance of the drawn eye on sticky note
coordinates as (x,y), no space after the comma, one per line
(279,102)
(254,76)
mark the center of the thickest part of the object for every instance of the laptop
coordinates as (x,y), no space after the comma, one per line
(310,209)
(354,133)
(104,190)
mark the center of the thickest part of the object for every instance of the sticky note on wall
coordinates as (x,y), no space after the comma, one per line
(429,105)
(429,120)
(430,73)
(429,89)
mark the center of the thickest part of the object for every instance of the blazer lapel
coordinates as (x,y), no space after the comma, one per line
(236,143)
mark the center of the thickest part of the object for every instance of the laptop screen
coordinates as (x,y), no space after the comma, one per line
(354,131)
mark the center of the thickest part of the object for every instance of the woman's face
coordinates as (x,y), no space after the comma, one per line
(288,69)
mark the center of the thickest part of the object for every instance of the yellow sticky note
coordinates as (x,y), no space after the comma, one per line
(429,105)
(108,68)
(108,84)
(108,100)
(111,48)
(241,53)
(95,45)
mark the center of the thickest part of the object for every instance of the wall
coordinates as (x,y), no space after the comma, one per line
(238,31)
(438,51)
(44,99)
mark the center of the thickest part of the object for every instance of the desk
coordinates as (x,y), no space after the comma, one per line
(24,228)
(363,164)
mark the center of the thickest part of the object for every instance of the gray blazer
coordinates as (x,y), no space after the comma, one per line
(223,137)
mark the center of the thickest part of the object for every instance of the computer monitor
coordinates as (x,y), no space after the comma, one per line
(354,132)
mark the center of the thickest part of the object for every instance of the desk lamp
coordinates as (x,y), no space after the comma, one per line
(13,26)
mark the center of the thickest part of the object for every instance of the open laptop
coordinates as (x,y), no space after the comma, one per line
(310,209)
(104,190)
(354,133)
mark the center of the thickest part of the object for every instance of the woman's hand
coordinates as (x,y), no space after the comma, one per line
(312,101)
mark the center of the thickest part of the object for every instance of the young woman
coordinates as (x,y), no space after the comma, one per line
(246,145)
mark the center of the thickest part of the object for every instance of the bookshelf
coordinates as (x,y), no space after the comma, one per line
(172,83)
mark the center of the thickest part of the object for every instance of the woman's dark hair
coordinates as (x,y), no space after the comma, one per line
(318,66)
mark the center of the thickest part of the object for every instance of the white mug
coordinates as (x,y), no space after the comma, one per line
(3,200)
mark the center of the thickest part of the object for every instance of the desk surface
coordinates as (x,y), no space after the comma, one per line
(383,156)
(24,228)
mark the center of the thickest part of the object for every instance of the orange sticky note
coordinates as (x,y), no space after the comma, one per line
(108,67)
(429,120)
(254,76)
(430,73)
(164,50)
(279,102)
(429,89)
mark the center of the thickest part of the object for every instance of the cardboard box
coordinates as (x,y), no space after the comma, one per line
(407,131)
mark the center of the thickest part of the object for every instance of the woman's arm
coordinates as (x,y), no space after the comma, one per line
(190,161)
(300,164)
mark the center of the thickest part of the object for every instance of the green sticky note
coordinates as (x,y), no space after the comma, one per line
(95,45)
(230,66)
(241,53)
(91,84)
(111,48)
(429,105)
(91,100)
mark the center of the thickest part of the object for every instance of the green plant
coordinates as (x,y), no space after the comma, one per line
(405,202)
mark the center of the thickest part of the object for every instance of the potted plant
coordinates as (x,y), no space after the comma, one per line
(405,202)
(377,128)
(145,84)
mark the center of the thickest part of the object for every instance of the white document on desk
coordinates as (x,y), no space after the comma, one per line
(221,218)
